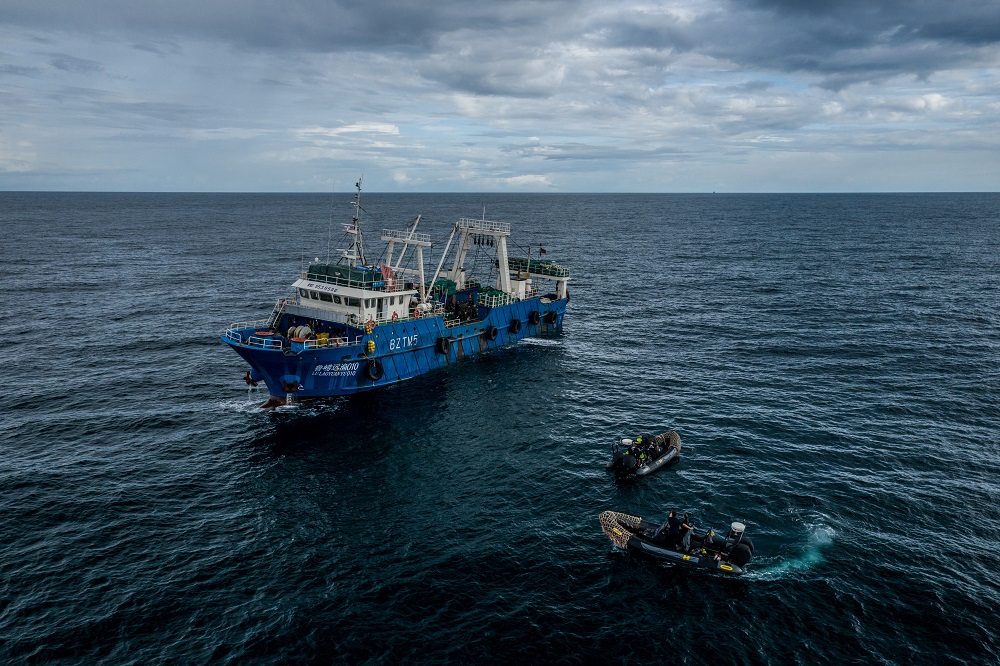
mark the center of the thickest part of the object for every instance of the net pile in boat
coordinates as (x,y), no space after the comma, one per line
(611,523)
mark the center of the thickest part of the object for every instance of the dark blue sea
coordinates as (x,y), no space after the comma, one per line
(832,363)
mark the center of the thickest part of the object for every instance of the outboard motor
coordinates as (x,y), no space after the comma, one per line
(739,546)
(622,463)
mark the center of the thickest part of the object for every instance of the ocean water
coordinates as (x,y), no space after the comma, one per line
(831,363)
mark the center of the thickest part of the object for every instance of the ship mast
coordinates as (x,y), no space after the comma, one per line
(356,252)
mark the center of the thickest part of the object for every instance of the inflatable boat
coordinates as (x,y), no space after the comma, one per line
(638,535)
(644,455)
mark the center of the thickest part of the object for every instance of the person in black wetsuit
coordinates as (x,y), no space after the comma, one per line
(639,448)
(686,530)
(673,530)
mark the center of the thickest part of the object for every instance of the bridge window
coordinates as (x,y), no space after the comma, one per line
(323,296)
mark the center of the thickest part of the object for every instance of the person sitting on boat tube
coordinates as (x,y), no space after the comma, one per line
(638,449)
(655,449)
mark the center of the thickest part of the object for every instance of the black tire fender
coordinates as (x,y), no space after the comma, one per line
(443,345)
(515,326)
(491,333)
(374,370)
(534,317)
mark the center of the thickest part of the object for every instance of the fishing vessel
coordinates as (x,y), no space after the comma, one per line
(356,325)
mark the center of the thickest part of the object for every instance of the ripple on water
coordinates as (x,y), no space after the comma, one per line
(830,363)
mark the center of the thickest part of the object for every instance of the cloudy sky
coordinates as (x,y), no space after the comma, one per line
(500,95)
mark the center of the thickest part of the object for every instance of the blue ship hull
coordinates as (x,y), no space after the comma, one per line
(402,350)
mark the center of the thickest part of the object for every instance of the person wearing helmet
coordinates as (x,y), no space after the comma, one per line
(640,447)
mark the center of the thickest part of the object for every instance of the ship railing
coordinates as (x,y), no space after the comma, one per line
(279,309)
(407,236)
(270,342)
(323,342)
(240,325)
(530,292)
(391,285)
(351,319)
(436,311)
(495,300)
(484,225)
(237,332)
(537,267)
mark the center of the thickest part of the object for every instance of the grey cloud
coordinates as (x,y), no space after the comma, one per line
(19,70)
(977,30)
(854,41)
(68,63)
(844,41)
(164,49)
(114,111)
(520,87)
(754,86)
(962,21)
(581,151)
(513,78)
(312,25)
(163,111)
(641,29)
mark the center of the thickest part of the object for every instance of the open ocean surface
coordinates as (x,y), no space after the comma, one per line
(832,363)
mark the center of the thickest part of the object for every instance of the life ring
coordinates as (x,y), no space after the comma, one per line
(515,326)
(374,370)
(443,345)
(370,322)
(416,313)
(534,317)
(395,317)
(491,333)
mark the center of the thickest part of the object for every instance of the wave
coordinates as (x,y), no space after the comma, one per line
(817,540)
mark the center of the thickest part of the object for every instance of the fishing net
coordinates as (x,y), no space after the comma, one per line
(612,523)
